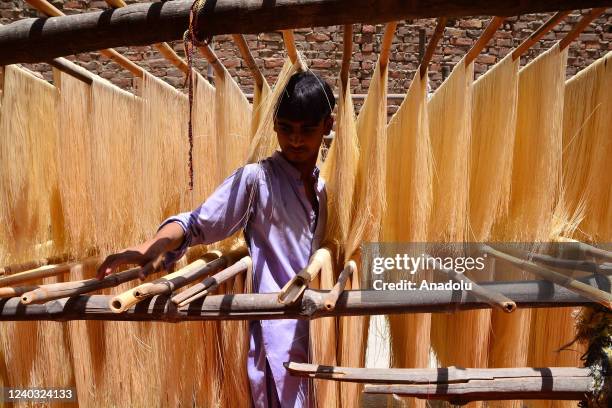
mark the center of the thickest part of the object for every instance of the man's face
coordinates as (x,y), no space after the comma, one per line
(300,140)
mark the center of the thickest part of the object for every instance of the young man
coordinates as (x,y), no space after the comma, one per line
(281,205)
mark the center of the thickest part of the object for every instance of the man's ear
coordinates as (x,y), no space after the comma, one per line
(328,124)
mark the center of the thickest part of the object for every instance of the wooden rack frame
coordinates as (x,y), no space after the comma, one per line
(526,294)
(34,40)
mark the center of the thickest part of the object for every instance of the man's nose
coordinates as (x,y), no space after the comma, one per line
(296,137)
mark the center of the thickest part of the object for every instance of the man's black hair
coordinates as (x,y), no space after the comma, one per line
(307,97)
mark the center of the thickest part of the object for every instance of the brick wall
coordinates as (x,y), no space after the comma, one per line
(322,48)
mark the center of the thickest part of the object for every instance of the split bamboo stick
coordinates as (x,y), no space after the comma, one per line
(385,47)
(539,33)
(347,51)
(53,291)
(212,59)
(289,41)
(223,263)
(26,266)
(212,283)
(6,292)
(50,10)
(167,283)
(589,249)
(332,297)
(494,299)
(45,271)
(243,47)
(291,292)
(431,46)
(578,28)
(596,295)
(483,40)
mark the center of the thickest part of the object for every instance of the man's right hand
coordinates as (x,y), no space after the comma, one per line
(149,255)
(150,262)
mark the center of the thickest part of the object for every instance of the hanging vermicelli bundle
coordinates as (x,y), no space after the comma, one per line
(115,118)
(74,161)
(492,146)
(339,172)
(366,219)
(33,353)
(233,124)
(450,141)
(205,177)
(536,171)
(583,202)
(164,127)
(233,134)
(493,120)
(534,194)
(587,147)
(408,206)
(28,179)
(260,99)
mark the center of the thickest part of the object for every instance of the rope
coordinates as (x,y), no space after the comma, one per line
(190,39)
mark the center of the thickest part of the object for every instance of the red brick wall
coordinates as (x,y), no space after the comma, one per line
(322,48)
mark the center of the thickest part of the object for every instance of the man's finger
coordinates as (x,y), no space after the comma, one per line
(146,270)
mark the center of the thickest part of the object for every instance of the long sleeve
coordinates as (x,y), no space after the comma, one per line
(221,215)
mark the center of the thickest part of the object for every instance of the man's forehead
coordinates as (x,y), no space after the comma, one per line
(297,123)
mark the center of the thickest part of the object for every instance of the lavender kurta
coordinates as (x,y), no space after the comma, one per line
(268,200)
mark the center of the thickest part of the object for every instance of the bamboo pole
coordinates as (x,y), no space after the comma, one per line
(546,387)
(589,249)
(291,292)
(26,266)
(431,47)
(569,264)
(212,59)
(494,299)
(147,23)
(289,41)
(332,296)
(539,33)
(590,292)
(72,69)
(45,293)
(164,48)
(45,271)
(578,28)
(243,47)
(8,292)
(265,306)
(347,52)
(47,8)
(211,283)
(440,375)
(484,39)
(209,263)
(385,47)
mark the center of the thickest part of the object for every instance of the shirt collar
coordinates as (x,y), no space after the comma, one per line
(289,169)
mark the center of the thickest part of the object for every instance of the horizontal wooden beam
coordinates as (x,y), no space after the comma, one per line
(432,376)
(526,294)
(39,39)
(530,388)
